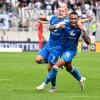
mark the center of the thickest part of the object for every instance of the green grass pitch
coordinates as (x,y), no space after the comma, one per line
(20,74)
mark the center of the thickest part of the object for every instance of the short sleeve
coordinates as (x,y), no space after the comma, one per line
(49,17)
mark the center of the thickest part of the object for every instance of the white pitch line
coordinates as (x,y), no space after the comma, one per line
(5,79)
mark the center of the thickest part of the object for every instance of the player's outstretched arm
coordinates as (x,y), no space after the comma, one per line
(84,34)
(51,28)
(85,20)
(42,18)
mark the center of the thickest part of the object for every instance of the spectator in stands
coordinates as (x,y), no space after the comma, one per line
(17,8)
(55,6)
(78,10)
(87,5)
(13,21)
(11,6)
(72,4)
(23,5)
(98,9)
(38,5)
(48,6)
(94,28)
(94,2)
(2,6)
(62,3)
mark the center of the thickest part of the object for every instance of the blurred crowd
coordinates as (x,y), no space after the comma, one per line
(21,12)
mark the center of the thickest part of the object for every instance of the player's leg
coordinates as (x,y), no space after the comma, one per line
(53,81)
(43,56)
(42,86)
(68,56)
(71,69)
(52,74)
(52,59)
(50,67)
(74,72)
(49,78)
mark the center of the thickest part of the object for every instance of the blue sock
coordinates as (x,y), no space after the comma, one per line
(51,75)
(53,82)
(75,73)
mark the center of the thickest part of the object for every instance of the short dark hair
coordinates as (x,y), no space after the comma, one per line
(73,13)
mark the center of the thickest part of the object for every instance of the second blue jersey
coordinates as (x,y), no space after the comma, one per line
(56,35)
(70,37)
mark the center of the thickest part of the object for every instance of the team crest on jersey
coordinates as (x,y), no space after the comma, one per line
(72,33)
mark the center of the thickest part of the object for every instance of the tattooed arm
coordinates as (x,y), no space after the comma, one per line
(86,37)
(84,34)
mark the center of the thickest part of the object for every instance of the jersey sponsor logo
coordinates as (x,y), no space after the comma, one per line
(55,32)
(66,20)
(72,33)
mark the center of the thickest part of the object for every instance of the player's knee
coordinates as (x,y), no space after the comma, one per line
(38,60)
(60,63)
(68,66)
(69,69)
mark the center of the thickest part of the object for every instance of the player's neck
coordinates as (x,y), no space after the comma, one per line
(74,26)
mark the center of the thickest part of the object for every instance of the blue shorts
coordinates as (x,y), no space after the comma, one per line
(51,54)
(68,55)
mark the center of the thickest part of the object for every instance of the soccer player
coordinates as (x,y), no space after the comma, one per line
(69,49)
(47,55)
(52,50)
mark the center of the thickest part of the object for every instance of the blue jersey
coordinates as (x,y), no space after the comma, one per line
(52,50)
(70,37)
(55,35)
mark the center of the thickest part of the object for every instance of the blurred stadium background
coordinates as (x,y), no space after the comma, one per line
(19,26)
(21,31)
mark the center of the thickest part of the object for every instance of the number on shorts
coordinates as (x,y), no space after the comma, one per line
(67,54)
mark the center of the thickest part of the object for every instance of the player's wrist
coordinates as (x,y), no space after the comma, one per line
(84,31)
(57,26)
